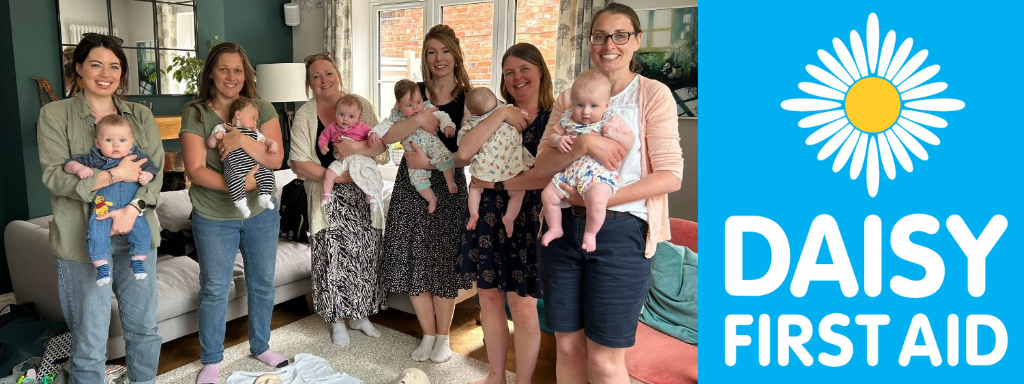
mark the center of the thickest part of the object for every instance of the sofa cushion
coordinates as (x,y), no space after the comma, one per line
(174,210)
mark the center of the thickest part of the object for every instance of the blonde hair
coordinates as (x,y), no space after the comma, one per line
(529,53)
(325,56)
(445,35)
(349,100)
(480,101)
(592,76)
(113,120)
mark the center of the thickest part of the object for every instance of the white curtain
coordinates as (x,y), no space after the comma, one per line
(572,52)
(338,37)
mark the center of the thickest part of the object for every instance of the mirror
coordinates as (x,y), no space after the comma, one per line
(154,32)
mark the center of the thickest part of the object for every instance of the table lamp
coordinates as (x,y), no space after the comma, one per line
(282,83)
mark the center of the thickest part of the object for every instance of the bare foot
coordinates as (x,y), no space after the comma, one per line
(589,242)
(471,224)
(509,224)
(491,378)
(551,234)
(452,188)
(431,204)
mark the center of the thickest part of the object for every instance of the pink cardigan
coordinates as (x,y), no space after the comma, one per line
(659,148)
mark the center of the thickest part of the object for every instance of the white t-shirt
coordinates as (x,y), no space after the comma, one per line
(627,105)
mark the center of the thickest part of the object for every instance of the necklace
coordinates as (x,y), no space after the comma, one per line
(97,115)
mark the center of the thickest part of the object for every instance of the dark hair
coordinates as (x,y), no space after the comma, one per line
(89,42)
(445,35)
(405,87)
(625,10)
(530,54)
(240,104)
(349,100)
(206,87)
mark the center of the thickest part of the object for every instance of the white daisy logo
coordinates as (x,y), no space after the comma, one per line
(872,106)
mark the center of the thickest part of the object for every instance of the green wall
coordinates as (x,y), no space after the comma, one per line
(28,33)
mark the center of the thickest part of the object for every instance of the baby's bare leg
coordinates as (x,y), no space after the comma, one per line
(551,197)
(515,203)
(430,197)
(474,206)
(596,199)
(328,183)
(449,177)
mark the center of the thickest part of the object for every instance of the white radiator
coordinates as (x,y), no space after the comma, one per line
(77,30)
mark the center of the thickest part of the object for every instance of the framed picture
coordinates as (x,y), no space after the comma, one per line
(668,52)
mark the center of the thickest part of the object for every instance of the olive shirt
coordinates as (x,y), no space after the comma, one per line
(215,204)
(67,128)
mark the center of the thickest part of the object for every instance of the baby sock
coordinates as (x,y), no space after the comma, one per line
(364,325)
(103,274)
(339,334)
(273,359)
(138,269)
(442,351)
(243,207)
(209,375)
(326,199)
(422,353)
(265,202)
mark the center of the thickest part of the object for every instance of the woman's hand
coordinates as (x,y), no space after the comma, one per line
(345,148)
(572,197)
(606,151)
(415,158)
(427,121)
(232,141)
(123,220)
(515,117)
(482,184)
(128,169)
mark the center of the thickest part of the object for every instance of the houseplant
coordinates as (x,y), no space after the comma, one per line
(187,68)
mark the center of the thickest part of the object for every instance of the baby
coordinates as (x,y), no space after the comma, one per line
(113,142)
(410,103)
(237,165)
(499,159)
(587,114)
(364,172)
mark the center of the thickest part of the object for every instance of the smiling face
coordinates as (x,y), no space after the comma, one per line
(323,79)
(246,117)
(440,60)
(114,140)
(411,104)
(522,79)
(347,115)
(228,75)
(609,57)
(101,72)
(589,100)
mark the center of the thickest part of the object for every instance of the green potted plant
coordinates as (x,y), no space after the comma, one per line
(187,68)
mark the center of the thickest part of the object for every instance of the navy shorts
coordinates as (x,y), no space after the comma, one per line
(600,292)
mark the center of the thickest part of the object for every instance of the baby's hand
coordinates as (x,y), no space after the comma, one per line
(562,142)
(323,150)
(373,139)
(145,178)
(272,146)
(219,135)
(84,173)
(449,131)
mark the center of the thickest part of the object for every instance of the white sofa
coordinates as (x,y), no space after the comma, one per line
(34,278)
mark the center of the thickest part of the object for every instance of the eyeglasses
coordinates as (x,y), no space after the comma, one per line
(96,38)
(317,56)
(618,38)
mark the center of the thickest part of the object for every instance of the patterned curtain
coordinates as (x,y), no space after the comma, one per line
(573,48)
(338,37)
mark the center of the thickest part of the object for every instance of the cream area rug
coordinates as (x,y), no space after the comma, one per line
(372,360)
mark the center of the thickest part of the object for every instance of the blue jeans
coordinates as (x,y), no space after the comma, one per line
(217,242)
(86,308)
(98,240)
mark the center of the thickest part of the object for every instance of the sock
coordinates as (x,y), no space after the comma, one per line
(265,202)
(138,269)
(442,351)
(243,207)
(209,375)
(103,275)
(422,353)
(339,334)
(326,199)
(365,326)
(273,359)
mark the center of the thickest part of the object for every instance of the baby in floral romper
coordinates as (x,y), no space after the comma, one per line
(588,114)
(499,159)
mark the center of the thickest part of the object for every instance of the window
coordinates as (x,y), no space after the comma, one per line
(485,28)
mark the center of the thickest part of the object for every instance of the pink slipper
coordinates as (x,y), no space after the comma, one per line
(273,359)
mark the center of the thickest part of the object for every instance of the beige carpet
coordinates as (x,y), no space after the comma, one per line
(372,360)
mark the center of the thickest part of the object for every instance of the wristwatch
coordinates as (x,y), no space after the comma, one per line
(499,186)
(140,205)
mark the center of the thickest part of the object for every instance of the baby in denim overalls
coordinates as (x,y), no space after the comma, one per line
(113,142)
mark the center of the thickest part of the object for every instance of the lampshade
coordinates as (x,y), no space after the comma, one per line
(281,82)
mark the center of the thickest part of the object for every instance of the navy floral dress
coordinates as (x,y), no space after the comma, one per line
(486,255)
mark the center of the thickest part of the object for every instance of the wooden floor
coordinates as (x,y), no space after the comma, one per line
(466,337)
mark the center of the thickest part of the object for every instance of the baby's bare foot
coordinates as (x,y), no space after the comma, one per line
(471,224)
(509,224)
(589,242)
(452,188)
(551,234)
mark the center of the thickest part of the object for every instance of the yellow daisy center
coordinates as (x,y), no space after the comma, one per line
(872,104)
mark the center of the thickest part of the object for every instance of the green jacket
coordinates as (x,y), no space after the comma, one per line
(66,128)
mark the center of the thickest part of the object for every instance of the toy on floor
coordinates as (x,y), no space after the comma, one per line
(412,376)
(269,378)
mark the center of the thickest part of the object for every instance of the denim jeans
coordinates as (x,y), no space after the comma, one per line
(217,242)
(98,240)
(86,309)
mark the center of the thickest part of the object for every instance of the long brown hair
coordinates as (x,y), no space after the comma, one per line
(206,86)
(529,53)
(445,35)
(82,50)
(625,10)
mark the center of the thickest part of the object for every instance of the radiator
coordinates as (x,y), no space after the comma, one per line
(77,30)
